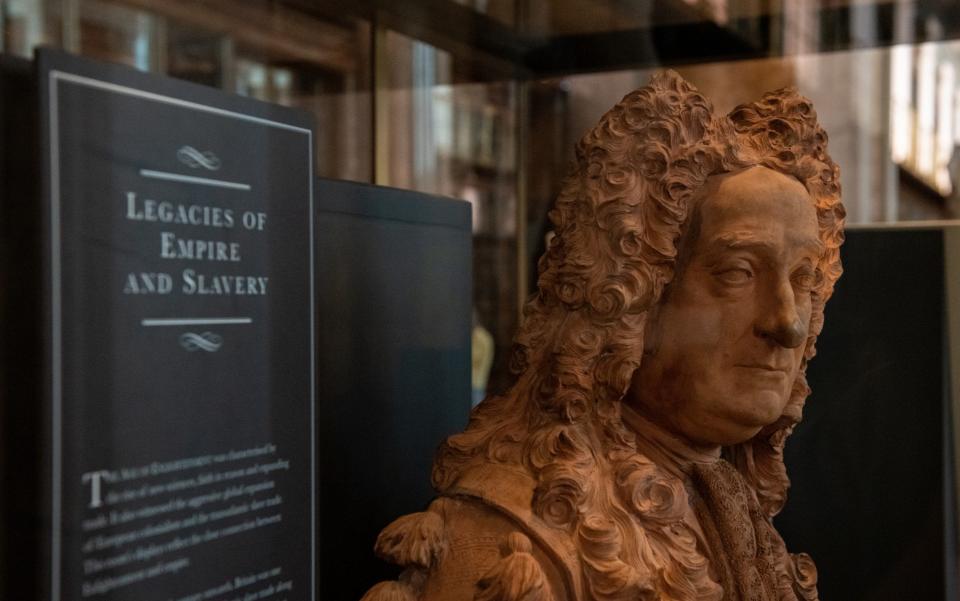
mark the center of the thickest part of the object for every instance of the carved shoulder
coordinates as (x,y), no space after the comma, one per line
(415,540)
(517,575)
(463,550)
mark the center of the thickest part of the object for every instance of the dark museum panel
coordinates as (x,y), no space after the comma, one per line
(21,332)
(872,464)
(394,364)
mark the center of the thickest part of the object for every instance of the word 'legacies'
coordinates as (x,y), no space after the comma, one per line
(163,211)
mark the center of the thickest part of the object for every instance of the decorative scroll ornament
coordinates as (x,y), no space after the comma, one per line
(193,158)
(208,341)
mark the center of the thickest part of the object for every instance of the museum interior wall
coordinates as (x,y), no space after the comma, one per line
(484,101)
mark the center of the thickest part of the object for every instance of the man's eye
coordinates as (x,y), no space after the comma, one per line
(734,276)
(806,280)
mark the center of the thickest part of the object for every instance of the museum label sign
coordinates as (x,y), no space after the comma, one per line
(180,364)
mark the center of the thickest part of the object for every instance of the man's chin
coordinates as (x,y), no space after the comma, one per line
(721,431)
(734,434)
(716,421)
(761,409)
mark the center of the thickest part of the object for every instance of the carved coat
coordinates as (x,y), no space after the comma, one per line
(482,541)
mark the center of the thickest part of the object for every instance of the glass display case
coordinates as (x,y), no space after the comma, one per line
(484,101)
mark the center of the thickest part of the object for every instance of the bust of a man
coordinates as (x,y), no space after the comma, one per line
(660,369)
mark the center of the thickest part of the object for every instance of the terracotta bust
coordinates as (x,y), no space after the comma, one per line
(660,369)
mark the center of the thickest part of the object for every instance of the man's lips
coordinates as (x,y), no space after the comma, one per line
(764,367)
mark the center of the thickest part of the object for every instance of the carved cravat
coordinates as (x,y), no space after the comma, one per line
(740,539)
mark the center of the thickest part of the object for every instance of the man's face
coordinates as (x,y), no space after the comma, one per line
(723,349)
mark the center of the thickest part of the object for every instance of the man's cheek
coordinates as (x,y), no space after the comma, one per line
(704,328)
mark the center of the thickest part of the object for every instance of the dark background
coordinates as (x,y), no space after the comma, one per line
(21,333)
(871,464)
(393,317)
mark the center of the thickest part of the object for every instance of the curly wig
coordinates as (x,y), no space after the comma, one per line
(618,221)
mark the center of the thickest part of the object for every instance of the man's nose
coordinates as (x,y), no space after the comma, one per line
(779,322)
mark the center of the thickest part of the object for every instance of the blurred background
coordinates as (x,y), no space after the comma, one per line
(483,100)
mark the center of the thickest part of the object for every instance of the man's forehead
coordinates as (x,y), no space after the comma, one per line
(757,190)
(764,239)
(755,209)
(758,194)
(755,179)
